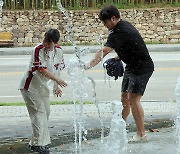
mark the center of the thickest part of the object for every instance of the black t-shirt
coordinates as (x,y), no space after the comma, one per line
(130,47)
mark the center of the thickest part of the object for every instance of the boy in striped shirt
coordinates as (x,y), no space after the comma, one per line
(45,64)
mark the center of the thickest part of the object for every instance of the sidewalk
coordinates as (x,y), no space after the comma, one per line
(15,124)
(92,48)
(162,142)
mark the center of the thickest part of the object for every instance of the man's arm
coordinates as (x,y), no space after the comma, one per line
(98,57)
(51,76)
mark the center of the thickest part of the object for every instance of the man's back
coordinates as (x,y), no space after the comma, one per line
(130,47)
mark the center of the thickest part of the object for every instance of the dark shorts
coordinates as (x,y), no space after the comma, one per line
(135,83)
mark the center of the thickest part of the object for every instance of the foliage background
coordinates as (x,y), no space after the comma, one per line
(84,4)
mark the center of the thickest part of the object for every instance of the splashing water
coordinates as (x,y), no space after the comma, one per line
(78,83)
(1,5)
(76,73)
(177,122)
(100,42)
(96,103)
(117,139)
(69,33)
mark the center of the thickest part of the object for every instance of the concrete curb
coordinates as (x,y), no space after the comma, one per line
(163,47)
(92,49)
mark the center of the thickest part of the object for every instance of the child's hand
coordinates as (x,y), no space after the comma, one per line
(58,92)
(61,83)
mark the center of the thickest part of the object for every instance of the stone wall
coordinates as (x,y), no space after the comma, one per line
(28,27)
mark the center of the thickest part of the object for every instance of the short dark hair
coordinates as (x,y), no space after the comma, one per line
(108,12)
(52,35)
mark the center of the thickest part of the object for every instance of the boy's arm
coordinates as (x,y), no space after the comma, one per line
(51,76)
(60,66)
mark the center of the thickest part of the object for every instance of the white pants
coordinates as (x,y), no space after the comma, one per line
(39,111)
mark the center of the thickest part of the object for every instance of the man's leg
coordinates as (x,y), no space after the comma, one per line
(133,87)
(138,112)
(126,105)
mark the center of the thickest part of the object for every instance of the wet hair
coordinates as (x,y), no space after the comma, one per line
(108,12)
(52,35)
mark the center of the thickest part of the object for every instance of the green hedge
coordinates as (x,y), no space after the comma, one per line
(84,4)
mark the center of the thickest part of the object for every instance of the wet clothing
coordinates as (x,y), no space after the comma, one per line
(135,83)
(35,82)
(114,67)
(131,49)
(35,91)
(39,111)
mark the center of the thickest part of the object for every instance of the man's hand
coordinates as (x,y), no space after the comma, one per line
(117,57)
(84,65)
(58,92)
(87,66)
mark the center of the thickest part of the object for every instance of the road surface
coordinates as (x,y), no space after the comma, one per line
(161,86)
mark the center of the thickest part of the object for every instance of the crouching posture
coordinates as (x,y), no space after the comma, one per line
(45,64)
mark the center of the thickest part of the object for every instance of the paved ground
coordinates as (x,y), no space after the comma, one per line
(14,119)
(15,125)
(162,142)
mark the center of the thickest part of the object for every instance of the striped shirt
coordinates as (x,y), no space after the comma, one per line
(34,81)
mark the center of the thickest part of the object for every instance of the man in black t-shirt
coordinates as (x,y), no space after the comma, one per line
(131,49)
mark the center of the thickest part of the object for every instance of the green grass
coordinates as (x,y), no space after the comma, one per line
(51,103)
(12,104)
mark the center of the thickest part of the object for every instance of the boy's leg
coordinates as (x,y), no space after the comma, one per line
(38,116)
(47,106)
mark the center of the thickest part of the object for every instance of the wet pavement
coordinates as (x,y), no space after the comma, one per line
(15,127)
(162,142)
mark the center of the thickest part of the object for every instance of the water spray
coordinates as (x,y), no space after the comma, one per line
(177,122)
(1,5)
(76,72)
